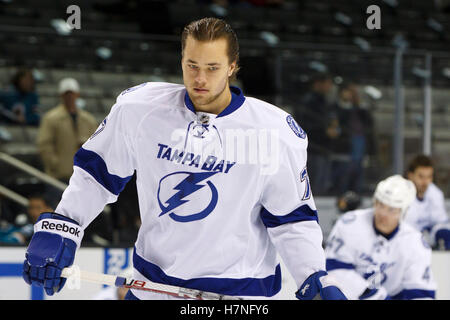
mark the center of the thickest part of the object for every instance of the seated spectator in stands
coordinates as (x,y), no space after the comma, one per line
(19,104)
(427,213)
(315,116)
(63,130)
(10,233)
(355,140)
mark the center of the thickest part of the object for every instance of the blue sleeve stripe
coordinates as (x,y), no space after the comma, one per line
(303,213)
(93,164)
(333,264)
(414,294)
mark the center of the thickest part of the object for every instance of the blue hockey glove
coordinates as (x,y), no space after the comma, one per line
(319,284)
(51,249)
(443,236)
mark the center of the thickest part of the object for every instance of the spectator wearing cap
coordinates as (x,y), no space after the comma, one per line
(19,104)
(63,130)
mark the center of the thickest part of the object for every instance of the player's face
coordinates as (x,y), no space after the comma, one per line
(205,74)
(386,218)
(421,177)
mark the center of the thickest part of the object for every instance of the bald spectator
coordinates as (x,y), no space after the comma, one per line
(63,130)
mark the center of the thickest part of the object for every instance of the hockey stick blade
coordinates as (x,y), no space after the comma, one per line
(111,280)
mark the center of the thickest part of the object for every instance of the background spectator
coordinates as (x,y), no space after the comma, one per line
(19,103)
(23,230)
(354,141)
(63,130)
(37,203)
(315,116)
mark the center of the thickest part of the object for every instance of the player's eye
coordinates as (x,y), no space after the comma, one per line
(213,68)
(192,66)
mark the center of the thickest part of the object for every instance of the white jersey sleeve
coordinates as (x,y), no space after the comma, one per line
(417,282)
(102,167)
(439,217)
(289,212)
(428,212)
(340,259)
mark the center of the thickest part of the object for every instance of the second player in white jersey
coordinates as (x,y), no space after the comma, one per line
(373,264)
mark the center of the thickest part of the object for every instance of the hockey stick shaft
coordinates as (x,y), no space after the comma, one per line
(117,281)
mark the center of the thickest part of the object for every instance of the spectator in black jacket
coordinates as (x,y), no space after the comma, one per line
(354,143)
(317,118)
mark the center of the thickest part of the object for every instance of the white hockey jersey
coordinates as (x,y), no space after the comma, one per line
(219,195)
(428,214)
(361,258)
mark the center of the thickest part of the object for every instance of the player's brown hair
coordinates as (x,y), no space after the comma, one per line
(210,29)
(420,160)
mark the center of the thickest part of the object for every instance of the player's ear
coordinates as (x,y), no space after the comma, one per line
(231,68)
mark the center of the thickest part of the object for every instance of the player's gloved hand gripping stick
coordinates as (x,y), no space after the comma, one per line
(51,249)
(320,286)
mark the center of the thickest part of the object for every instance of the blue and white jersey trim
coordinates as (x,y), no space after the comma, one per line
(414,294)
(263,287)
(333,264)
(303,213)
(237,100)
(93,164)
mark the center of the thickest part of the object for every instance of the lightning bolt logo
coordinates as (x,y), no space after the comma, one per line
(187,186)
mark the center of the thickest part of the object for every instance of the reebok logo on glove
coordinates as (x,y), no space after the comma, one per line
(46,225)
(63,228)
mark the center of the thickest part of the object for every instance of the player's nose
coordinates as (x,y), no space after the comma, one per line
(200,78)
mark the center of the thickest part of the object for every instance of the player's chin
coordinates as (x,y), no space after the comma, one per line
(200,99)
(421,191)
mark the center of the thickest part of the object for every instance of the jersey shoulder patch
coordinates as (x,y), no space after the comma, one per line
(133,88)
(100,128)
(299,132)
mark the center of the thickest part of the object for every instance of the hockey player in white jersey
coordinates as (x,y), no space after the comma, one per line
(427,212)
(375,255)
(213,218)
